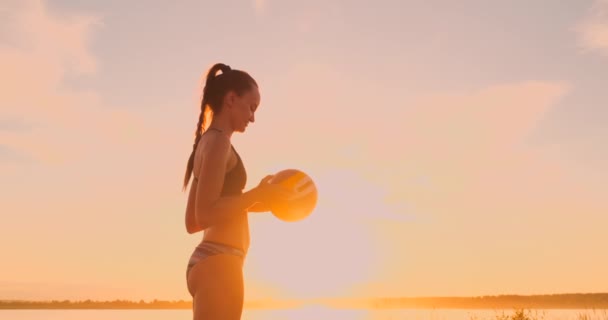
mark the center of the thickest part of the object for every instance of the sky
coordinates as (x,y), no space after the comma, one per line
(459,148)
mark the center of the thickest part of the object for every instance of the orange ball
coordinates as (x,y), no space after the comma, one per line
(302,203)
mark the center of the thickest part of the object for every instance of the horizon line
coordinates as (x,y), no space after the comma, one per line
(319,298)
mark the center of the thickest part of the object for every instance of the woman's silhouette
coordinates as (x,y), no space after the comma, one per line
(216,203)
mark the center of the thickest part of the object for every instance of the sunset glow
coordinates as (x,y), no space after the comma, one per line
(458,148)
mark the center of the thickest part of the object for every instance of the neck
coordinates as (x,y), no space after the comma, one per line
(223,126)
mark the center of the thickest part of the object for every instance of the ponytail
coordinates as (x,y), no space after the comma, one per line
(216,86)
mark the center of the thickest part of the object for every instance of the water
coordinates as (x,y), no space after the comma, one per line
(309,313)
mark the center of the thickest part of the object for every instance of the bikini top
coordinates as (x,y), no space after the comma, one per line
(235,178)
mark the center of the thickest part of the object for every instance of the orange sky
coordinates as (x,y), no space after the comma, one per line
(459,149)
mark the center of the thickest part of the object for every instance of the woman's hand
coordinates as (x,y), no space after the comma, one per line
(269,194)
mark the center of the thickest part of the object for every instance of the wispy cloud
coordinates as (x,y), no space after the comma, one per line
(15,125)
(427,167)
(471,147)
(448,159)
(35,58)
(593,29)
(9,154)
(462,143)
(422,147)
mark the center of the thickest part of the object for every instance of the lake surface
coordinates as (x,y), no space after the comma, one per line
(309,313)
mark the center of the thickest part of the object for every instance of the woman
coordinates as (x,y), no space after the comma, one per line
(216,203)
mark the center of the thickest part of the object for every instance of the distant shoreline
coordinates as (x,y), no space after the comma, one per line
(503,302)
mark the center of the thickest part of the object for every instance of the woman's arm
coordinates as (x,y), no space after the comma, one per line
(259,207)
(191,224)
(210,208)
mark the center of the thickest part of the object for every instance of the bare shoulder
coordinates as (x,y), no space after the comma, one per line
(210,163)
(214,148)
(214,158)
(215,143)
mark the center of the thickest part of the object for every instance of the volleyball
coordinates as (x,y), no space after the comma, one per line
(304,200)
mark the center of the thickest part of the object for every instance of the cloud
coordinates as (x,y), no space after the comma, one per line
(38,54)
(593,29)
(444,136)
(428,174)
(413,147)
(73,145)
(423,170)
(15,125)
(9,154)
(482,183)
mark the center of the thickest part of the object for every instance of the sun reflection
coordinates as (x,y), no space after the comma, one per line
(318,312)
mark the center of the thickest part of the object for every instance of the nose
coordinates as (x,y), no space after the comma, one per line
(252,118)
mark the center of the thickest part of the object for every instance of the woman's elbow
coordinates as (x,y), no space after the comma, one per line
(193,229)
(192,224)
(202,221)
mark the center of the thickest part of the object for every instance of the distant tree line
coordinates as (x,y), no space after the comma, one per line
(553,301)
(91,304)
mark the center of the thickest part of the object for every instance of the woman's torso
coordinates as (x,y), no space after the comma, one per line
(233,232)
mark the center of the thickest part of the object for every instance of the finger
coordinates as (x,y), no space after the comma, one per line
(267,178)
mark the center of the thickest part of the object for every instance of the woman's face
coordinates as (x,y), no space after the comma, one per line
(243,109)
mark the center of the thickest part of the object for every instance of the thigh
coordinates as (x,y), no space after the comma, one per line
(217,285)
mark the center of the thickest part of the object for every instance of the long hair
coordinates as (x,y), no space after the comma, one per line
(216,87)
